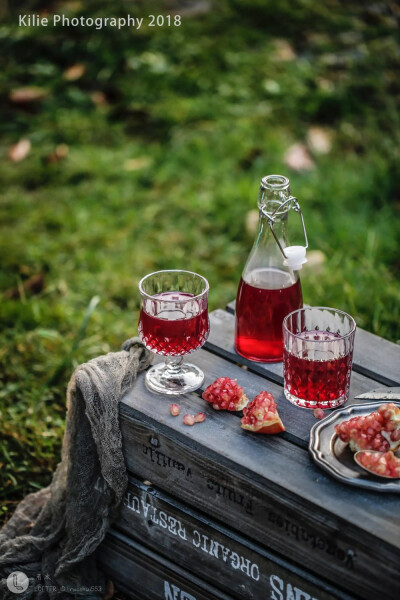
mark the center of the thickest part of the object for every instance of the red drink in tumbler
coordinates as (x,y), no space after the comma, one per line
(318,355)
(173,328)
(317,381)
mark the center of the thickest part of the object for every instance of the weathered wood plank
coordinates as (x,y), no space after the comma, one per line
(203,547)
(374,356)
(265,487)
(144,575)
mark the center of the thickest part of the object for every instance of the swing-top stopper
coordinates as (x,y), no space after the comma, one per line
(295,257)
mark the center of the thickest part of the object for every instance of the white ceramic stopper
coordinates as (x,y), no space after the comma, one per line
(295,257)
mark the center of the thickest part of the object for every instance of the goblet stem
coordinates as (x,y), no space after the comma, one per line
(173,365)
(174,376)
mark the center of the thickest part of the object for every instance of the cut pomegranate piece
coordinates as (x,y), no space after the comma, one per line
(261,415)
(175,409)
(385,464)
(225,394)
(380,430)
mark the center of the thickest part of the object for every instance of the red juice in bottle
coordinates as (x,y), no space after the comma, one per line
(316,382)
(169,324)
(263,301)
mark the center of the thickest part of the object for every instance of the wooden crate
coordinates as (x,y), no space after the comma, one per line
(145,575)
(261,496)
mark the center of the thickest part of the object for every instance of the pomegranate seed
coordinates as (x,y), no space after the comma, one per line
(189,420)
(200,417)
(395,435)
(319,413)
(175,409)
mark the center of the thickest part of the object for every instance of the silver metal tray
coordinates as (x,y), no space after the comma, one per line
(333,455)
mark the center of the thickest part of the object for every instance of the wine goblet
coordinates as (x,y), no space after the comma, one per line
(173,322)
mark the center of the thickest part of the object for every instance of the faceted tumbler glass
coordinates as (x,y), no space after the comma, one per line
(317,357)
(173,322)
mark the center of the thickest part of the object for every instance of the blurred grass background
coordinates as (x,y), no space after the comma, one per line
(128,151)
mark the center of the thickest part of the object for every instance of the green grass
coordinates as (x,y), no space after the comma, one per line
(208,110)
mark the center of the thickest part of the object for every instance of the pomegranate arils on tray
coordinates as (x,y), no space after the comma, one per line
(261,416)
(380,430)
(225,394)
(175,409)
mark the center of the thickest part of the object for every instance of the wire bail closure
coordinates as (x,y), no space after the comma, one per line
(271,221)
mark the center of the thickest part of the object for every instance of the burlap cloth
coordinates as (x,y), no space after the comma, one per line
(53,533)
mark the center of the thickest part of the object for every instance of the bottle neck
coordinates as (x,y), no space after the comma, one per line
(266,253)
(266,235)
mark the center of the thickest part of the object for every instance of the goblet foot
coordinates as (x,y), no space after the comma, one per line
(174,378)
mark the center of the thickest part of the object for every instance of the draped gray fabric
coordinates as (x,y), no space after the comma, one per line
(53,533)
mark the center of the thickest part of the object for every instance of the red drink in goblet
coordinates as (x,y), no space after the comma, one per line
(173,322)
(172,331)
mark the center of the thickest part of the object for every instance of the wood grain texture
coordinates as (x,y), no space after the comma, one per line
(203,547)
(374,356)
(267,488)
(144,575)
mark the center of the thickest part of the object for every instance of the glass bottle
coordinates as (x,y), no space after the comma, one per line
(270,287)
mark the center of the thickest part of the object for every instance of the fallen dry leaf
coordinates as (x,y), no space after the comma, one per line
(99,98)
(58,155)
(134,164)
(62,150)
(298,158)
(74,72)
(27,95)
(326,85)
(283,51)
(194,9)
(33,285)
(319,140)
(20,150)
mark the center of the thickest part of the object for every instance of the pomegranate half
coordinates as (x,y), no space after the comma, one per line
(380,430)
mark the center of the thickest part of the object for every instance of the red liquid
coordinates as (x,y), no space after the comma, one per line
(317,383)
(261,305)
(173,329)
